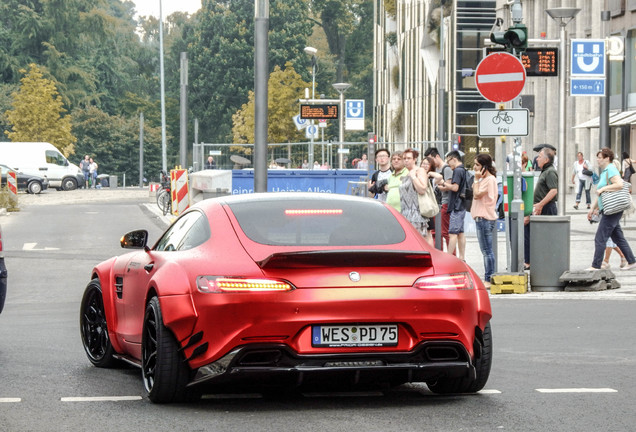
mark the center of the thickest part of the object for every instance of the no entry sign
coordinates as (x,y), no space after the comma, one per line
(500,77)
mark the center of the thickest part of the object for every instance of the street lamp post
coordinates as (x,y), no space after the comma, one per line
(341,87)
(563,16)
(312,52)
(261,27)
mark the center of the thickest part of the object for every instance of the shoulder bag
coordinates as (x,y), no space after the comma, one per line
(428,203)
(616,201)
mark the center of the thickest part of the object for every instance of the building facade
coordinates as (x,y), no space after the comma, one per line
(413,35)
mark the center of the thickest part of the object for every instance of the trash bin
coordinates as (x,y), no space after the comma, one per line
(527,190)
(112,181)
(549,252)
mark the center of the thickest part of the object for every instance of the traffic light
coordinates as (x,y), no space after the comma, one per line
(516,37)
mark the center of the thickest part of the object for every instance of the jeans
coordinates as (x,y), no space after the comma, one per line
(579,191)
(484,236)
(609,227)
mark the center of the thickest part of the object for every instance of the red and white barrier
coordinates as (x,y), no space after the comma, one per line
(179,190)
(12,183)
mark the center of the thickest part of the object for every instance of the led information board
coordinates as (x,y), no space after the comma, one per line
(537,61)
(325,111)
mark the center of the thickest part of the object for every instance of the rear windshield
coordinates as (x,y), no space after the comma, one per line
(318,223)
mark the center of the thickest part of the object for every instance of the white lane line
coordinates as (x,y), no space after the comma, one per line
(491,391)
(578,390)
(100,399)
(10,400)
(28,246)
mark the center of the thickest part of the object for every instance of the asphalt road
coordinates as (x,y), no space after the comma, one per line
(560,363)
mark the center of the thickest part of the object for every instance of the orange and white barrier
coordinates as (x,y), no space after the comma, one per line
(12,183)
(179,190)
(154,187)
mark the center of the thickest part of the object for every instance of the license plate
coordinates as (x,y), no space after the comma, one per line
(335,336)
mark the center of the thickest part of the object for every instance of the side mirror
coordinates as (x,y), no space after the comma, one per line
(135,240)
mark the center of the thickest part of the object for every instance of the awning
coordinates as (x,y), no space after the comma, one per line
(615,119)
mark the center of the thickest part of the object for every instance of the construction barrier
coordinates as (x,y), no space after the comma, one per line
(179,190)
(12,183)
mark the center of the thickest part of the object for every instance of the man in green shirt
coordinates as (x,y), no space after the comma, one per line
(545,195)
(395,180)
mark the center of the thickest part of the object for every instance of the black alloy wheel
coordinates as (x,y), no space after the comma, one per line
(482,367)
(93,327)
(164,371)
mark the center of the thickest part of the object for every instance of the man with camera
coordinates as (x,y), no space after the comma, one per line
(380,178)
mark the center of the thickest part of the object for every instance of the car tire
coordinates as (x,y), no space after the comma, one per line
(34,187)
(69,184)
(94,328)
(482,368)
(165,373)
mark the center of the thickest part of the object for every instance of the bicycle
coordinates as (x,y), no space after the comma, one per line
(502,115)
(164,198)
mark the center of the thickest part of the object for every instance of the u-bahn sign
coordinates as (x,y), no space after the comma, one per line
(500,77)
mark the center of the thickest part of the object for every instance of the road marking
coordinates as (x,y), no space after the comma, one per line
(10,400)
(100,399)
(578,390)
(491,391)
(31,247)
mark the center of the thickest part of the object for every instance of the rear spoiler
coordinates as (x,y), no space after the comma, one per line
(347,258)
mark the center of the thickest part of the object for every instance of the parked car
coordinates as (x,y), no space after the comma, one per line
(3,274)
(288,289)
(26,182)
(44,159)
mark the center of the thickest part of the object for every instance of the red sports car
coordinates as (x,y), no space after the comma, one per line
(288,289)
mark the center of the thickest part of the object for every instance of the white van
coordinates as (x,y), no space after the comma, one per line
(42,159)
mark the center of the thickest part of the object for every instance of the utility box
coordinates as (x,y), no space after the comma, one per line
(112,181)
(549,252)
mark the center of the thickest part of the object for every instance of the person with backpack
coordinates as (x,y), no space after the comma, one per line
(456,206)
(483,209)
(447,174)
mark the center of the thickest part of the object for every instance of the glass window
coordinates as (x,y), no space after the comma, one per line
(189,231)
(318,222)
(54,157)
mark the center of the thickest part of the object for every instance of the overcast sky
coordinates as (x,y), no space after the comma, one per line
(151,7)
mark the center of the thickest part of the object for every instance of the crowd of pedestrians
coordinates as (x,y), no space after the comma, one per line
(401,182)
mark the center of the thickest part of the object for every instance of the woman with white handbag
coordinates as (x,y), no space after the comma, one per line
(610,190)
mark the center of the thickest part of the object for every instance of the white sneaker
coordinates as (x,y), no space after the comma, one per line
(605,265)
(629,266)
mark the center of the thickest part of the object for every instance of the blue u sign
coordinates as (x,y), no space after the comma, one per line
(355,109)
(588,57)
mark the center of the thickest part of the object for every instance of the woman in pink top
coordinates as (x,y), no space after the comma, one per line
(483,208)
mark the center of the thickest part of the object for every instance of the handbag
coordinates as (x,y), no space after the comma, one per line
(616,201)
(428,203)
(587,172)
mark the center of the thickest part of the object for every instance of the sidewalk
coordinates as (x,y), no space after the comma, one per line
(581,252)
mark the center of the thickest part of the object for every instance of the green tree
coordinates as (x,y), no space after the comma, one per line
(113,141)
(222,57)
(284,88)
(38,113)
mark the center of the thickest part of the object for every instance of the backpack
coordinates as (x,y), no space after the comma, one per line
(467,190)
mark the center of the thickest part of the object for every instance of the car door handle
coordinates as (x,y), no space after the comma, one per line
(148,267)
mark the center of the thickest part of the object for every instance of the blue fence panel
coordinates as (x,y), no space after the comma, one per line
(326,181)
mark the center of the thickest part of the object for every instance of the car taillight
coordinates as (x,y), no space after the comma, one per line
(312,212)
(450,282)
(216,284)
(1,243)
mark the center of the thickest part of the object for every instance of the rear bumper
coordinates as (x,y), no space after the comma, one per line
(429,361)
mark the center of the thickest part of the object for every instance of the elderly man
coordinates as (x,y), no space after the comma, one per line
(545,195)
